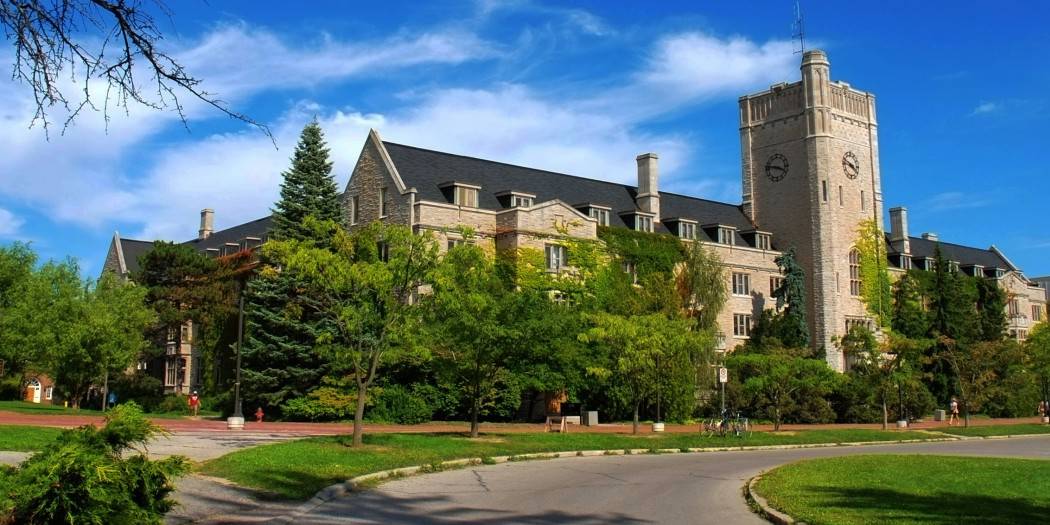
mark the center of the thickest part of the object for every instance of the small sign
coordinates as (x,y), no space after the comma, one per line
(723,374)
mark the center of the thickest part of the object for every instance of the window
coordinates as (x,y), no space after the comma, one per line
(741,284)
(643,223)
(171,371)
(1037,313)
(742,325)
(842,198)
(824,189)
(687,230)
(383,250)
(631,270)
(774,284)
(467,197)
(382,203)
(517,201)
(355,210)
(863,201)
(953,266)
(49,392)
(1014,307)
(187,333)
(452,243)
(600,215)
(854,273)
(725,236)
(905,262)
(556,257)
(171,334)
(762,241)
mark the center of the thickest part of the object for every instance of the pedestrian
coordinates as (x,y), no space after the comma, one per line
(258,415)
(954,406)
(111,400)
(1043,408)
(195,403)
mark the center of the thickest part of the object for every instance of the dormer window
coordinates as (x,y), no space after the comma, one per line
(516,199)
(643,223)
(763,241)
(230,248)
(1000,273)
(725,236)
(599,214)
(687,230)
(953,266)
(212,252)
(461,194)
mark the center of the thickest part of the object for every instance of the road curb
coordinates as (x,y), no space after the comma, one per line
(365,481)
(761,506)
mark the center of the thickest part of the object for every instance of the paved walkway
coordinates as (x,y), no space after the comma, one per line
(318,429)
(665,489)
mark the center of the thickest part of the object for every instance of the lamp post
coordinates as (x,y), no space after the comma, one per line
(720,348)
(236,421)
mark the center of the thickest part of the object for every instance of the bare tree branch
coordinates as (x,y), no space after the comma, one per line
(55,37)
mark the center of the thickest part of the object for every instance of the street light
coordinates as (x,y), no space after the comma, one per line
(236,421)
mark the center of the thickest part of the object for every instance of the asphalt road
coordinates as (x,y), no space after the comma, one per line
(666,489)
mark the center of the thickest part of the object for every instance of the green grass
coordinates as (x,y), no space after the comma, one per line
(24,407)
(911,489)
(298,469)
(26,439)
(998,430)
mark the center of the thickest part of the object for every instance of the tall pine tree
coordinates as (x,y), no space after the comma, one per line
(308,188)
(794,330)
(280,359)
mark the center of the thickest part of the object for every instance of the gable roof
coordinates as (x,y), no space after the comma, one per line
(133,248)
(964,255)
(427,170)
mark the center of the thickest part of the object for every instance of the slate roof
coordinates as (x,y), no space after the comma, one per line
(133,249)
(964,255)
(427,170)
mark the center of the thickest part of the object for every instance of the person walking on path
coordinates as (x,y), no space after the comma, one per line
(954,406)
(195,403)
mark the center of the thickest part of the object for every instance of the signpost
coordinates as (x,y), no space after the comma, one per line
(723,378)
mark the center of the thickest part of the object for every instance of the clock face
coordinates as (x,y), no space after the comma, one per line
(850,165)
(777,167)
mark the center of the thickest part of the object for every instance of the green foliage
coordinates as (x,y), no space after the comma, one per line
(908,317)
(791,301)
(649,252)
(874,272)
(991,310)
(308,189)
(701,284)
(363,284)
(782,385)
(16,266)
(93,476)
(326,403)
(139,387)
(1038,347)
(397,404)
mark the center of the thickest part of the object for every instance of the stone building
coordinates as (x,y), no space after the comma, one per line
(810,176)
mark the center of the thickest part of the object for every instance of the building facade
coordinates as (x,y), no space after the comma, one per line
(810,177)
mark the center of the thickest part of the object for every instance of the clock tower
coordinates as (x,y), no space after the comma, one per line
(810,166)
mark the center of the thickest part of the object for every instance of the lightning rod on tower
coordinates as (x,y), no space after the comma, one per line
(798,33)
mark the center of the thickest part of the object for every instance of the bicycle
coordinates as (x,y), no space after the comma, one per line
(742,427)
(711,426)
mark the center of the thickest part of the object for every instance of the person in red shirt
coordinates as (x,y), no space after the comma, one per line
(258,415)
(195,403)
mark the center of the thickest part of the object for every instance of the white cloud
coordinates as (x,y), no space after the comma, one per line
(954,200)
(985,107)
(9,223)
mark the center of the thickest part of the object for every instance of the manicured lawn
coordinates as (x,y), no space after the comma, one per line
(26,439)
(911,489)
(298,469)
(998,430)
(24,407)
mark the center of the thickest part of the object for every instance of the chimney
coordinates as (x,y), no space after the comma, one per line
(899,229)
(648,198)
(207,222)
(930,236)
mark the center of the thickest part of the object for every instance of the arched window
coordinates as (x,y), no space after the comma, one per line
(854,273)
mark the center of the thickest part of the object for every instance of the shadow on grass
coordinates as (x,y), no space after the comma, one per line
(887,506)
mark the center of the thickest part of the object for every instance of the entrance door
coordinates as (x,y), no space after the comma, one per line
(33,391)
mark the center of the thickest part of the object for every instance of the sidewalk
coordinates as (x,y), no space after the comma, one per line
(323,429)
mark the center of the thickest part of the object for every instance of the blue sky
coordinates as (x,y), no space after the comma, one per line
(961,91)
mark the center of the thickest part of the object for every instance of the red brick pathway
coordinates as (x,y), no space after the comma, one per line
(318,429)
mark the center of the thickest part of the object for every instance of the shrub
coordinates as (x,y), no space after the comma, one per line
(323,404)
(396,404)
(173,404)
(90,475)
(140,387)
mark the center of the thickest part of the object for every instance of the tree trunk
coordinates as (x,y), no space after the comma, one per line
(475,407)
(634,427)
(885,414)
(776,419)
(359,415)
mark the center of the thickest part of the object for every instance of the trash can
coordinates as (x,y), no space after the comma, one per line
(590,418)
(938,415)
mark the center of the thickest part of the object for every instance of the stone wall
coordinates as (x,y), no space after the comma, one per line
(371,174)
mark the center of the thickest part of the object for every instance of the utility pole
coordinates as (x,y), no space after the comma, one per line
(236,422)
